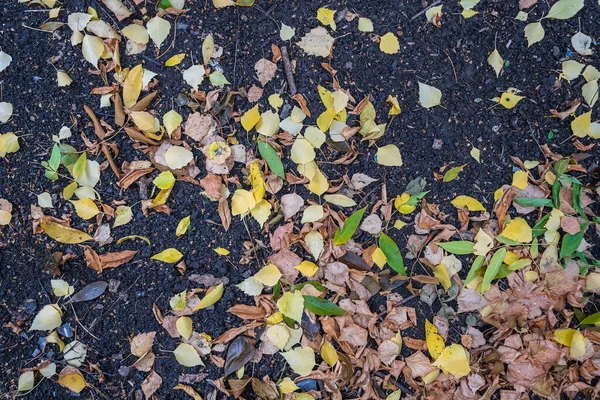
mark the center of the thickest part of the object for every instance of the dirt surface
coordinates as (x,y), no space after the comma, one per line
(451,58)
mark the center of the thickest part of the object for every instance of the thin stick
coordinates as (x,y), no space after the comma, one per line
(452,64)
(289,74)
(425,9)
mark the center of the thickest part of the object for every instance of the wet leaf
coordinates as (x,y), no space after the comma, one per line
(240,351)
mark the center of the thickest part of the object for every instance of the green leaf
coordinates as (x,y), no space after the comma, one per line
(571,242)
(69,154)
(578,199)
(477,264)
(54,162)
(343,234)
(556,193)
(392,253)
(165,4)
(493,268)
(538,229)
(507,241)
(277,291)
(79,166)
(591,320)
(321,306)
(414,199)
(452,173)
(268,153)
(533,202)
(316,284)
(519,264)
(561,167)
(460,247)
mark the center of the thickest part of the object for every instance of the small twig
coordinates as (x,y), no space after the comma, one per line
(289,74)
(425,9)
(237,33)
(79,322)
(452,64)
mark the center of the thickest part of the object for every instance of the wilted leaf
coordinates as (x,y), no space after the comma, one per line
(317,42)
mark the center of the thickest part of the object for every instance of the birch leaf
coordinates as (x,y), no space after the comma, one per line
(534,32)
(389,43)
(63,79)
(62,233)
(186,355)
(92,48)
(286,32)
(565,9)
(208,48)
(194,76)
(389,156)
(169,255)
(49,318)
(178,157)
(454,360)
(496,61)
(136,33)
(429,96)
(301,359)
(132,87)
(158,30)
(581,44)
(317,42)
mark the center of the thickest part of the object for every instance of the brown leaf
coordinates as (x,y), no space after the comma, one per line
(265,390)
(503,204)
(265,70)
(92,258)
(188,390)
(157,313)
(212,183)
(118,8)
(145,363)
(419,364)
(108,260)
(244,311)
(237,386)
(229,335)
(415,344)
(254,94)
(133,176)
(198,126)
(142,343)
(276,52)
(151,384)
(301,100)
(570,224)
(561,114)
(526,3)
(169,323)
(224,213)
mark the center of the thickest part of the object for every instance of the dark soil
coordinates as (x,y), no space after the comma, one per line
(452,58)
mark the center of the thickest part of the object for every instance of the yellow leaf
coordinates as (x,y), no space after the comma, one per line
(169,255)
(9,143)
(472,204)
(496,61)
(389,156)
(469,13)
(208,48)
(429,96)
(184,327)
(72,379)
(257,181)
(571,69)
(509,99)
(178,157)
(581,125)
(435,343)
(393,100)
(315,136)
(242,202)
(476,154)
(179,301)
(291,305)
(268,275)
(483,243)
(325,15)
(379,258)
(498,194)
(63,79)
(268,124)
(132,87)
(534,32)
(325,119)
(172,120)
(389,43)
(186,355)
(318,184)
(221,251)
(250,118)
(275,318)
(275,100)
(518,230)
(62,233)
(26,381)
(278,335)
(164,180)
(328,353)
(145,121)
(136,33)
(365,25)
(520,180)
(312,213)
(564,336)
(287,386)
(307,268)
(578,345)
(175,60)
(182,226)
(301,359)
(211,297)
(223,3)
(261,212)
(61,288)
(54,338)
(440,272)
(49,318)
(454,360)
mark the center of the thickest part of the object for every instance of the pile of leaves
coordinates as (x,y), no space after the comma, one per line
(513,281)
